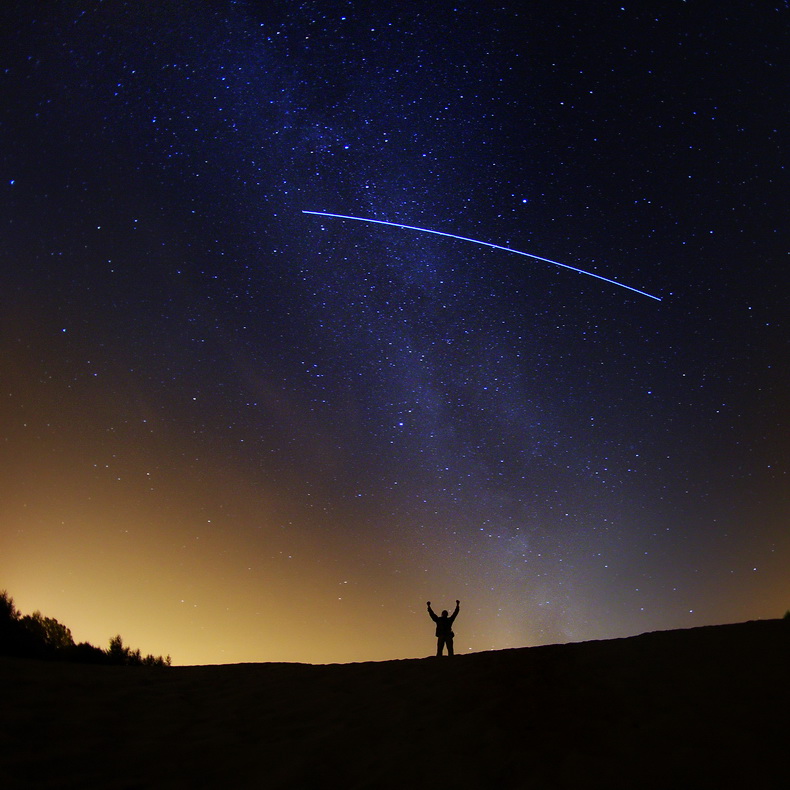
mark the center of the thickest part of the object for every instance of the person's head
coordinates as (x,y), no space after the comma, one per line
(444,613)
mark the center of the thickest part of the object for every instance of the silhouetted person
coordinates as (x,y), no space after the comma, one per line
(444,628)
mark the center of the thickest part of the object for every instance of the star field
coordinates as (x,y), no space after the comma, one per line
(237,432)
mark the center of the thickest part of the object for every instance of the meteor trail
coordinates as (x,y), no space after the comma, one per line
(484,244)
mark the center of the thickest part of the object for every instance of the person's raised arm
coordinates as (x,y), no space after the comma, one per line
(431,612)
(457,609)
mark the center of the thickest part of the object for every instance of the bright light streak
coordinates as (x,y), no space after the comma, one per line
(484,244)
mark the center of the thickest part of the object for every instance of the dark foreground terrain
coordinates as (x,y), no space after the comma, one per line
(705,707)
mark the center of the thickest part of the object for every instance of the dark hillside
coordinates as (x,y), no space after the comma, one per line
(697,708)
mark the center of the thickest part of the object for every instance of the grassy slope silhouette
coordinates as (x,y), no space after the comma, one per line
(704,707)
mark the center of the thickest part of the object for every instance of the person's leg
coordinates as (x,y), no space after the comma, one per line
(439,646)
(449,643)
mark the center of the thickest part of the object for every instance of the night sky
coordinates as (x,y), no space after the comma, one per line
(232,431)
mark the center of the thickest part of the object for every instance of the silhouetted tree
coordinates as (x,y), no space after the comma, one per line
(37,636)
(15,639)
(119,653)
(156,661)
(47,631)
(8,612)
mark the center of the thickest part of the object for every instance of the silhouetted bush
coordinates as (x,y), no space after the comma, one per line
(85,653)
(121,654)
(36,636)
